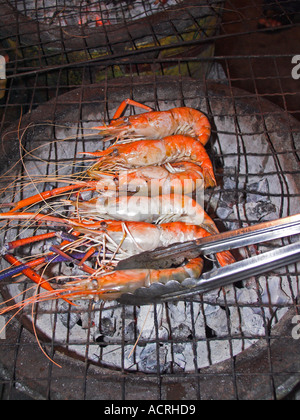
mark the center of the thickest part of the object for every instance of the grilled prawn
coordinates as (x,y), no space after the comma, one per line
(157,125)
(125,239)
(122,239)
(159,209)
(110,286)
(178,178)
(155,152)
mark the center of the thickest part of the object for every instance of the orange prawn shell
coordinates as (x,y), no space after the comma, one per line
(142,153)
(112,285)
(161,235)
(186,178)
(159,124)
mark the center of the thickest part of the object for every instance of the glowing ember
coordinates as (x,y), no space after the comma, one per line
(88,12)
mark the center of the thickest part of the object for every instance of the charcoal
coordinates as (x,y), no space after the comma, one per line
(88,12)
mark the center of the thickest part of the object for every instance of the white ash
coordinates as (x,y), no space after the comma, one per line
(183,336)
(252,205)
(88,12)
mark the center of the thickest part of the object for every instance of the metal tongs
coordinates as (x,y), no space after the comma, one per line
(264,232)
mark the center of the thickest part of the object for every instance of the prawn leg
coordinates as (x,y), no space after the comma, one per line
(56,221)
(32,275)
(50,258)
(15,270)
(89,254)
(28,241)
(50,194)
(84,267)
(125,104)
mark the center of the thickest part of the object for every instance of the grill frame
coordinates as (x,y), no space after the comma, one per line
(81,380)
(238,379)
(147,37)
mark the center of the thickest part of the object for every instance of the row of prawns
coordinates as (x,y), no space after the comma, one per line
(156,161)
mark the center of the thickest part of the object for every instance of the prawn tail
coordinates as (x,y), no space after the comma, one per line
(225,258)
(209,225)
(209,178)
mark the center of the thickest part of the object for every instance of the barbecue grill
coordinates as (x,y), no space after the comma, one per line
(57,33)
(237,342)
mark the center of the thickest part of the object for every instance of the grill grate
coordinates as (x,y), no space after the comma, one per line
(238,106)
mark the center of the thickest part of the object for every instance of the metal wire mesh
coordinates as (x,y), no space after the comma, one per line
(234,94)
